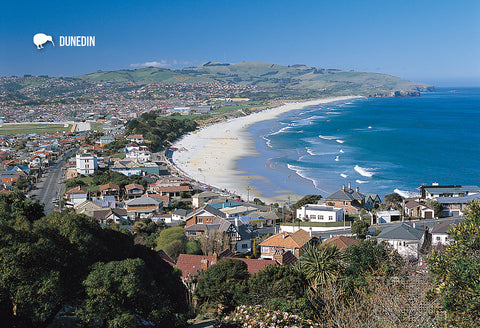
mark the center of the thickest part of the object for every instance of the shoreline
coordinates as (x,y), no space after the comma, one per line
(209,155)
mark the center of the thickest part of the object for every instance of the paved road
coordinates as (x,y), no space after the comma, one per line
(51,189)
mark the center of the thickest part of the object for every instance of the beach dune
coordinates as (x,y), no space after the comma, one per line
(209,155)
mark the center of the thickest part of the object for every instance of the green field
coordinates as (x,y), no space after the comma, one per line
(33,128)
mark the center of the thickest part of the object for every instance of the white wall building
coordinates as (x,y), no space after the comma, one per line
(319,213)
(86,163)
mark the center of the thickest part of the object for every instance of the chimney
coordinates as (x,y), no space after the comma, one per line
(236,222)
(357,189)
(204,264)
(310,232)
(215,258)
(349,185)
(343,186)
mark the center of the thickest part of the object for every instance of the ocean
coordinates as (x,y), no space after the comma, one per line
(379,145)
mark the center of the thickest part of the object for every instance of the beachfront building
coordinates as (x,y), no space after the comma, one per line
(319,213)
(435,190)
(86,163)
(201,198)
(352,201)
(456,206)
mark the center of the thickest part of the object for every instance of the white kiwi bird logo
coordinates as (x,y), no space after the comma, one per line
(41,38)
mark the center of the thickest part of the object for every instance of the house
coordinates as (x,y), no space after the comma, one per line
(415,209)
(352,201)
(435,190)
(86,163)
(192,265)
(319,213)
(173,191)
(236,211)
(105,140)
(76,195)
(87,207)
(277,245)
(134,190)
(141,154)
(440,232)
(407,239)
(388,216)
(163,198)
(205,214)
(200,198)
(138,138)
(110,189)
(455,206)
(180,214)
(142,207)
(342,242)
(116,215)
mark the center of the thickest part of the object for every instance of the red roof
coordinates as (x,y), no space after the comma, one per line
(109,186)
(133,186)
(77,190)
(342,242)
(174,188)
(191,264)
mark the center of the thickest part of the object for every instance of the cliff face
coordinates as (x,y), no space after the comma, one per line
(404,93)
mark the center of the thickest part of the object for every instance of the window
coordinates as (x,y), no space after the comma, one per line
(313,217)
(438,238)
(320,217)
(199,220)
(265,249)
(330,218)
(244,246)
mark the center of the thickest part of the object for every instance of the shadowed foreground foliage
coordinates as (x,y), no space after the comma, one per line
(47,263)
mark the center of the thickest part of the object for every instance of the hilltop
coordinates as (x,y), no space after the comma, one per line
(295,79)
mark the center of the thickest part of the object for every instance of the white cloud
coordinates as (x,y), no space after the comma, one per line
(161,63)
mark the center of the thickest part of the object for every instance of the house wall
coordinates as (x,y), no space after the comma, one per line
(440,238)
(317,215)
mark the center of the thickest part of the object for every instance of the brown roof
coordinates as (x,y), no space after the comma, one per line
(342,242)
(109,186)
(133,186)
(77,190)
(286,239)
(165,198)
(253,266)
(135,136)
(164,256)
(191,264)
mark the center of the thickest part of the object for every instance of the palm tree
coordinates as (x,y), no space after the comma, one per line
(320,265)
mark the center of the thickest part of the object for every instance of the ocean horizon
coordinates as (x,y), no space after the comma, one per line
(377,144)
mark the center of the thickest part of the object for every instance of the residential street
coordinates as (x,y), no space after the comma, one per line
(51,189)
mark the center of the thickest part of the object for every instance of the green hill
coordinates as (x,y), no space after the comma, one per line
(294,79)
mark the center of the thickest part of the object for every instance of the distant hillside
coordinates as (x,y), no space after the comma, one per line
(296,79)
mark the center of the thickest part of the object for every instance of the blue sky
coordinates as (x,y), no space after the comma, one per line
(435,42)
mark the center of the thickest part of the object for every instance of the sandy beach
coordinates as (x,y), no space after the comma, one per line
(210,154)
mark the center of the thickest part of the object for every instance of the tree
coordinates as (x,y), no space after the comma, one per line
(437,208)
(320,264)
(223,283)
(456,272)
(360,228)
(123,294)
(393,200)
(309,199)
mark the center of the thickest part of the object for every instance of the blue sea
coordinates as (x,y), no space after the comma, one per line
(378,144)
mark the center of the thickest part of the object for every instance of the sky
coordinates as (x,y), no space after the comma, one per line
(435,42)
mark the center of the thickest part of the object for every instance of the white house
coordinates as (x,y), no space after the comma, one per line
(440,233)
(387,216)
(319,213)
(141,154)
(86,163)
(407,239)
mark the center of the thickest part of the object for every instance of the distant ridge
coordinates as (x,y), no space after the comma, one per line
(297,79)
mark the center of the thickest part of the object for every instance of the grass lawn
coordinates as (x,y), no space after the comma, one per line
(119,155)
(33,128)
